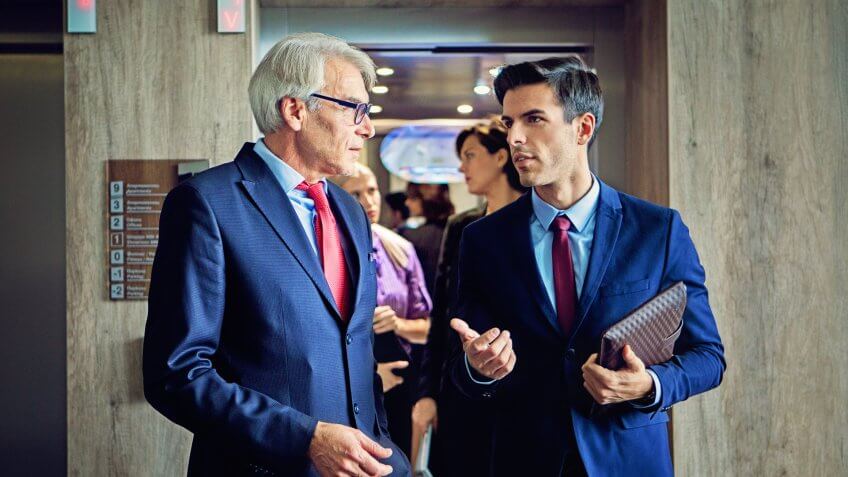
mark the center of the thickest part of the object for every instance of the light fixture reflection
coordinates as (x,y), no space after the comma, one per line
(380,89)
(376,109)
(464,109)
(385,71)
(482,89)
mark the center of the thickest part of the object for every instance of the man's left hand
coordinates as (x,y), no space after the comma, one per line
(610,387)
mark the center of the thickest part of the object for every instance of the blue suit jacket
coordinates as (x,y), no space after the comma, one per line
(244,345)
(639,249)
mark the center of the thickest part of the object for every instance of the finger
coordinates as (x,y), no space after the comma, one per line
(500,360)
(592,391)
(370,466)
(495,351)
(383,315)
(633,362)
(481,344)
(504,371)
(372,447)
(465,332)
(592,360)
(397,364)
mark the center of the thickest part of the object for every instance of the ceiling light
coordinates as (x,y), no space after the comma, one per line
(495,71)
(375,108)
(380,89)
(385,71)
(482,89)
(464,109)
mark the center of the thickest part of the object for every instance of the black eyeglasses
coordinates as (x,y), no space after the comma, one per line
(362,109)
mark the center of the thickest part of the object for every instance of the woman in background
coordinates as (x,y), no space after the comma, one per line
(403,308)
(461,444)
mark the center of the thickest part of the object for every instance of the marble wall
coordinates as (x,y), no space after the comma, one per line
(758,139)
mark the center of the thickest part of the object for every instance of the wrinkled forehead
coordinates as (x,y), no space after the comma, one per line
(343,80)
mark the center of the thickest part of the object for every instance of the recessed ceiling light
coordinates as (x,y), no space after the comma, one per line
(385,71)
(495,71)
(464,109)
(380,89)
(376,108)
(482,89)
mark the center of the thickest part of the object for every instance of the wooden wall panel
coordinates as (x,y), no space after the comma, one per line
(758,145)
(646,137)
(155,82)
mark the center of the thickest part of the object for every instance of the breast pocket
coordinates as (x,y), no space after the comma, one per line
(615,289)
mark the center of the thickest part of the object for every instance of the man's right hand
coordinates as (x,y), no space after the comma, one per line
(338,450)
(490,354)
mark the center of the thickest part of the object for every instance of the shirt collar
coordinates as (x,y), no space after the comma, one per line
(578,214)
(284,173)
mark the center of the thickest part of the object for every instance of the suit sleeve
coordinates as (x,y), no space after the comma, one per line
(471,308)
(433,359)
(698,364)
(185,315)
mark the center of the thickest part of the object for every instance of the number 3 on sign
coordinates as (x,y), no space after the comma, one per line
(116,205)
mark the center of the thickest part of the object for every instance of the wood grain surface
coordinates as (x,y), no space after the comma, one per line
(758,144)
(155,82)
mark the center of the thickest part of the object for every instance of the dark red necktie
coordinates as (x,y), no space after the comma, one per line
(563,266)
(329,246)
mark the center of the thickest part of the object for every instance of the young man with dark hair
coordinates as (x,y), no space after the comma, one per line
(573,257)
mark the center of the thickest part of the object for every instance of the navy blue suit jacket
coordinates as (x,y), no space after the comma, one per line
(638,250)
(244,345)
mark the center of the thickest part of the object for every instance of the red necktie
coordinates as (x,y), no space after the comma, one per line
(565,291)
(330,251)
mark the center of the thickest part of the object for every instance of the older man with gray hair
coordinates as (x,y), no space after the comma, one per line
(259,336)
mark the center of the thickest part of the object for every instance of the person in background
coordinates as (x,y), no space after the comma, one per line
(398,211)
(432,201)
(401,317)
(460,447)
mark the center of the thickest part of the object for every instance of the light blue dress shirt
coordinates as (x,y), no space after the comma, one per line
(289,178)
(580,235)
(582,217)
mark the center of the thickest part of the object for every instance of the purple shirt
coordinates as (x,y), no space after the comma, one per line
(403,289)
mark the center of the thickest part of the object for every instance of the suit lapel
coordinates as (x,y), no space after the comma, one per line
(525,261)
(607,225)
(271,200)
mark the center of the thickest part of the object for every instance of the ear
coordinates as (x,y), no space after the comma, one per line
(585,128)
(294,112)
(501,157)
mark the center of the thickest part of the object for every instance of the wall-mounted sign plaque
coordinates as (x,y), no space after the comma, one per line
(136,190)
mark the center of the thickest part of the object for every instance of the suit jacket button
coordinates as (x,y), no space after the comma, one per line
(355,408)
(348,339)
(570,354)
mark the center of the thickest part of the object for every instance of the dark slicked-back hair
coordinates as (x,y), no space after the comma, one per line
(576,87)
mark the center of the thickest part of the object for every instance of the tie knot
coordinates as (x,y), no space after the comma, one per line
(315,192)
(561,223)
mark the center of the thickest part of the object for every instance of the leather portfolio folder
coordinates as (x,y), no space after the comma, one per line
(651,330)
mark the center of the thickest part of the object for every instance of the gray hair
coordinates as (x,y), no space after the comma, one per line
(294,67)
